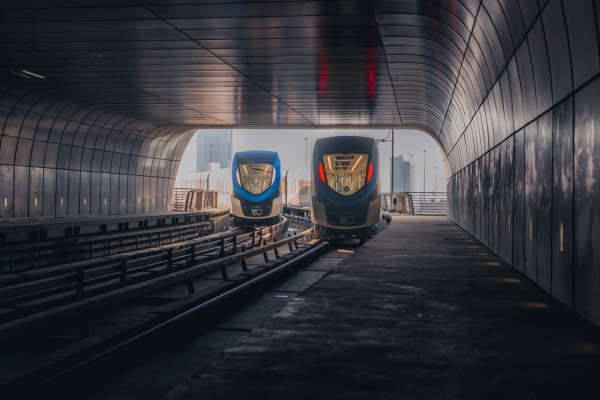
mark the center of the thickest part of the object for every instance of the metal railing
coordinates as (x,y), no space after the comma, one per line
(416,203)
(181,261)
(194,199)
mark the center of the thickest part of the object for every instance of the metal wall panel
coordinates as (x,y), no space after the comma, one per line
(21,192)
(562,204)
(586,281)
(85,192)
(73,200)
(583,40)
(527,82)
(558,49)
(38,152)
(49,202)
(114,200)
(123,195)
(515,90)
(105,193)
(8,148)
(541,69)
(51,157)
(531,200)
(146,194)
(132,201)
(36,191)
(498,198)
(62,192)
(508,174)
(7,179)
(139,194)
(23,153)
(544,201)
(519,235)
(95,195)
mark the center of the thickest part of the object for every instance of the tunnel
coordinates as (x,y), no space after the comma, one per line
(99,99)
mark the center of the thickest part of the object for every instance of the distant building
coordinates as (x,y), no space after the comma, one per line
(214,145)
(403,173)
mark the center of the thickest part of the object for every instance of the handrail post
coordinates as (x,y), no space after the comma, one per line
(79,291)
(222,252)
(193,258)
(234,244)
(169,260)
(123,272)
(244,267)
(190,283)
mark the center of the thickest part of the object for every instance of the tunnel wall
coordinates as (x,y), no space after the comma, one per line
(526,170)
(59,157)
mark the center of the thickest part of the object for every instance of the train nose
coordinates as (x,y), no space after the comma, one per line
(346,220)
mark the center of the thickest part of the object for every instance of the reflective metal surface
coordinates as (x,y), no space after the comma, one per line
(99,98)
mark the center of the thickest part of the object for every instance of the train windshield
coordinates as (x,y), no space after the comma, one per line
(345,173)
(256,178)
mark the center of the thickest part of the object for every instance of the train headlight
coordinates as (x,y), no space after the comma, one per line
(370,171)
(322,173)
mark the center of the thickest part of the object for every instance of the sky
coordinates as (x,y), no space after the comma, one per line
(291,146)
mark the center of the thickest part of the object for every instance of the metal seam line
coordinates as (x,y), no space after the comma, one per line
(525,125)
(114,79)
(461,68)
(528,30)
(387,65)
(225,62)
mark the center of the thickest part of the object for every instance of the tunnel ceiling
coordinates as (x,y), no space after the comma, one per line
(99,98)
(414,64)
(107,93)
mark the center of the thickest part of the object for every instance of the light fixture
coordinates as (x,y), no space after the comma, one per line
(32,74)
(21,75)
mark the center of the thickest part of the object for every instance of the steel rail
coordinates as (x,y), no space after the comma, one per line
(86,306)
(115,355)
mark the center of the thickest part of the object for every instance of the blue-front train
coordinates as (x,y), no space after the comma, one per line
(346,199)
(256,197)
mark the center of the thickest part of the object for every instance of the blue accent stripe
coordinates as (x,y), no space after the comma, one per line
(259,156)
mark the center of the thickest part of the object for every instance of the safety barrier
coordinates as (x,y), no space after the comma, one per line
(193,199)
(416,203)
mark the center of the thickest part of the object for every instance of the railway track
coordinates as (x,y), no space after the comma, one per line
(193,284)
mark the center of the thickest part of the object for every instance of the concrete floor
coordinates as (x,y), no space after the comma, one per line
(153,378)
(423,311)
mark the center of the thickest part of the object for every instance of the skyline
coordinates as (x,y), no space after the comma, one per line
(292,147)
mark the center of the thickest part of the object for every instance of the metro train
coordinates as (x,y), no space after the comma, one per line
(346,199)
(256,197)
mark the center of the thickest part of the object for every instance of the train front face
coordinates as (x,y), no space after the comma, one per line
(346,197)
(256,194)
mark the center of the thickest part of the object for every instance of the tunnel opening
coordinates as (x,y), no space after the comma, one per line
(509,89)
(419,165)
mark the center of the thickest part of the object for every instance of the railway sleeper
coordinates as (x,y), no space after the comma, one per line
(58,282)
(82,349)
(32,323)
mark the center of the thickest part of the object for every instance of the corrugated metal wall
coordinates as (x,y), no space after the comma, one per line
(532,193)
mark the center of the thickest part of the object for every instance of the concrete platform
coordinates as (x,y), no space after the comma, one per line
(423,311)
(30,224)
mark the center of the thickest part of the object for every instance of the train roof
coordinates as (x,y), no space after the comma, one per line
(344,144)
(257,156)
(346,139)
